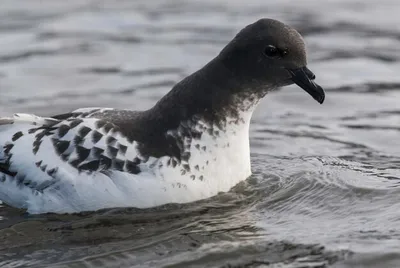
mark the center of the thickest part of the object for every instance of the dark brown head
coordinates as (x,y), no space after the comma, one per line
(269,54)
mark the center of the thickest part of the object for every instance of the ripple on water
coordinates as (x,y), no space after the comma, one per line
(324,176)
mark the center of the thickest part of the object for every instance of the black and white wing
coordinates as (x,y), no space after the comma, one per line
(42,153)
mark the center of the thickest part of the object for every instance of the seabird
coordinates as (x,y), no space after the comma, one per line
(191,145)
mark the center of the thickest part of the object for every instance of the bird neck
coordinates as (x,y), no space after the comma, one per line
(212,100)
(212,94)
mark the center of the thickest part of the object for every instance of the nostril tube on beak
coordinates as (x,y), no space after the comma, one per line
(310,74)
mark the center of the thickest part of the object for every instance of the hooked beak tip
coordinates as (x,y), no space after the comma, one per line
(303,77)
(322,99)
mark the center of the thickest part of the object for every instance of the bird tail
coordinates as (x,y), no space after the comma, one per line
(12,128)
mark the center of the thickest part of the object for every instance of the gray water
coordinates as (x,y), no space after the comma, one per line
(325,190)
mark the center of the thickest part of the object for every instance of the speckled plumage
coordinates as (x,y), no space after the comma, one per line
(65,155)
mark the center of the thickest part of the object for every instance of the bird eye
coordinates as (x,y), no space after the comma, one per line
(271,51)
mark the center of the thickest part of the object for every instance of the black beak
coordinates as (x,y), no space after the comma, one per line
(303,77)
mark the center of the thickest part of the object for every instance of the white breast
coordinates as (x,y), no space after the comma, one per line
(218,161)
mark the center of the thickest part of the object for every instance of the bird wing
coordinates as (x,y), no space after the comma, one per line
(38,153)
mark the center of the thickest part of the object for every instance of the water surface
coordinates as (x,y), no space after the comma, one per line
(325,189)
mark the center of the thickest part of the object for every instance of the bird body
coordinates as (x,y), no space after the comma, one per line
(191,145)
